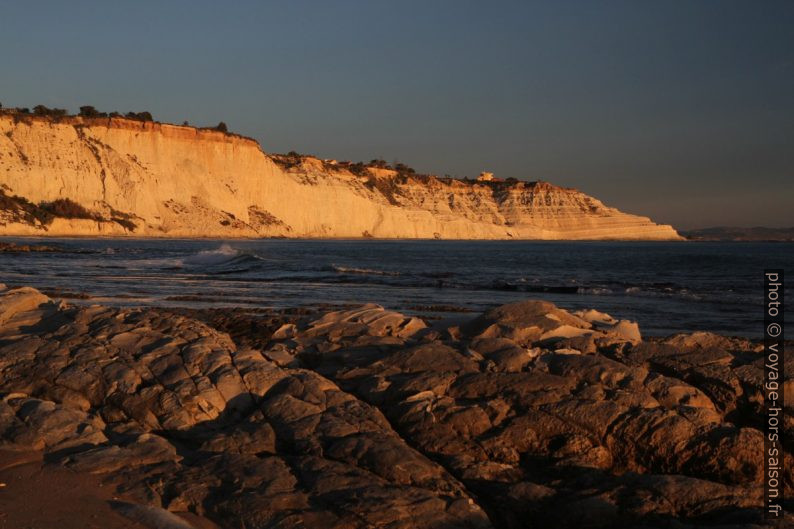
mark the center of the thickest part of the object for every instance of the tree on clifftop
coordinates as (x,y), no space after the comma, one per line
(41,110)
(222,127)
(87,111)
(403,169)
(140,116)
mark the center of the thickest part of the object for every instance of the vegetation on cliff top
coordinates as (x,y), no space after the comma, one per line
(387,184)
(401,171)
(90,112)
(399,174)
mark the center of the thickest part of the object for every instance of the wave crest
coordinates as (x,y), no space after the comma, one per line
(363,271)
(222,256)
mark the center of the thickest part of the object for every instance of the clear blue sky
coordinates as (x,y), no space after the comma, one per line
(681,110)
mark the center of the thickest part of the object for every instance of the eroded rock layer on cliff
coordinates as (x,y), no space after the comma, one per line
(525,416)
(153,179)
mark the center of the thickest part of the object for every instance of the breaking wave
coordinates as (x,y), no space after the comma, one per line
(222,257)
(362,271)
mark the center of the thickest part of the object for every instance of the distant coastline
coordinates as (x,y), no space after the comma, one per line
(754,234)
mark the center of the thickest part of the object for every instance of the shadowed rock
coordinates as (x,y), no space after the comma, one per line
(176,417)
(529,417)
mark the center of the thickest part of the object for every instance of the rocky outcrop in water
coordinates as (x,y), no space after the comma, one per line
(121,177)
(10,247)
(524,416)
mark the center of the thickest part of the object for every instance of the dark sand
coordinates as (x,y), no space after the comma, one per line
(36,495)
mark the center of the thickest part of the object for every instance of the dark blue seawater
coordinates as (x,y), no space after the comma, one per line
(666,287)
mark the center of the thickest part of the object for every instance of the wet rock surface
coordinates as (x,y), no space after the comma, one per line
(525,416)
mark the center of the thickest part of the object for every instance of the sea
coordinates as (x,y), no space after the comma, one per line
(667,287)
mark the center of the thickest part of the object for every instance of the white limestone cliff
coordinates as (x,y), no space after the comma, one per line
(160,180)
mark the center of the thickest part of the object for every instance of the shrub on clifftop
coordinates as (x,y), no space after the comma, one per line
(140,116)
(41,110)
(379,163)
(88,111)
(403,169)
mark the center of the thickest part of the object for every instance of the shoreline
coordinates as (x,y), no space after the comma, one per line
(320,239)
(675,296)
(56,238)
(195,306)
(246,419)
(192,304)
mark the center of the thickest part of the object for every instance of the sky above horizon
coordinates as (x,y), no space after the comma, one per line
(681,111)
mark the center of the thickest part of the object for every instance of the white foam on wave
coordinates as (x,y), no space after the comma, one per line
(212,257)
(680,293)
(368,271)
(595,291)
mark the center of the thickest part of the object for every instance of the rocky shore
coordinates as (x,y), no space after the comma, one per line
(524,416)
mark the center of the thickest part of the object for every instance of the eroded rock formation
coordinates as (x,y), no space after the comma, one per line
(525,416)
(149,179)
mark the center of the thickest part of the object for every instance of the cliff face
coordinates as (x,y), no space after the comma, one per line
(151,179)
